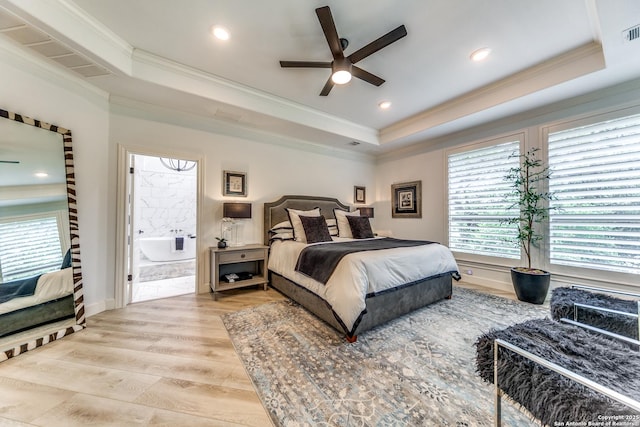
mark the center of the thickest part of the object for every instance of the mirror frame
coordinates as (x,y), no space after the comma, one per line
(39,340)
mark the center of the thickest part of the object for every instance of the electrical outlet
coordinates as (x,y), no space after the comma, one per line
(470,272)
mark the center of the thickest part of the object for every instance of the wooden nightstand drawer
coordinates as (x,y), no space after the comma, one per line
(241,256)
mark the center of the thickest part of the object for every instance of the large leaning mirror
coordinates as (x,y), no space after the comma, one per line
(40,275)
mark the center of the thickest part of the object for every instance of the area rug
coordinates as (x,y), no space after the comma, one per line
(418,370)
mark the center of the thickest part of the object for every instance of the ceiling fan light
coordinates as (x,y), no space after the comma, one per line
(341,69)
(341,77)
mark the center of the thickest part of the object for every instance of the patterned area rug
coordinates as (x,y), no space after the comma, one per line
(418,370)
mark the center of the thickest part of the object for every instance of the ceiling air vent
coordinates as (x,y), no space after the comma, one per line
(32,38)
(631,34)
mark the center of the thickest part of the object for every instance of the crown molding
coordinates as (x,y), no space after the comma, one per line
(32,63)
(167,73)
(569,65)
(133,108)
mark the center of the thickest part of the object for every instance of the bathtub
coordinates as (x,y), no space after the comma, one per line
(162,249)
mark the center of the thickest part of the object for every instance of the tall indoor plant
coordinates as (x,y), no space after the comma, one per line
(528,186)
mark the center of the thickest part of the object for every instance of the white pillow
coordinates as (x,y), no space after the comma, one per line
(282,227)
(281,236)
(333,227)
(344,229)
(298,229)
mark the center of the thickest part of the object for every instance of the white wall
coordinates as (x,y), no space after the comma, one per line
(36,92)
(427,167)
(272,170)
(427,162)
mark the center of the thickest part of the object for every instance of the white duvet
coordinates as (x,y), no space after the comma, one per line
(362,273)
(50,286)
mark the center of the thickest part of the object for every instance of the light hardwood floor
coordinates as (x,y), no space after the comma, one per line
(167,362)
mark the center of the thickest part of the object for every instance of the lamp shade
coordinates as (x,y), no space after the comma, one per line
(366,212)
(236,210)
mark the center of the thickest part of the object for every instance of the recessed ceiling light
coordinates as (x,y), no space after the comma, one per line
(220,33)
(41,174)
(480,54)
(384,105)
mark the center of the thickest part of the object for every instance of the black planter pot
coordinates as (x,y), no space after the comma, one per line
(222,245)
(530,287)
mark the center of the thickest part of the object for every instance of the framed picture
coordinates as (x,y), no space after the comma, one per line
(359,194)
(406,200)
(234,184)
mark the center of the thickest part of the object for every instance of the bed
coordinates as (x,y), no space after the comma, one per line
(51,301)
(420,274)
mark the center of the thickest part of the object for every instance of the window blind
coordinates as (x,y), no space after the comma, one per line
(29,247)
(596,181)
(479,198)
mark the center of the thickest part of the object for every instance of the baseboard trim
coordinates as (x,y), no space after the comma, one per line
(99,307)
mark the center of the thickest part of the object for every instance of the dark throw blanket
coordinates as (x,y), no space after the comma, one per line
(550,397)
(18,288)
(319,261)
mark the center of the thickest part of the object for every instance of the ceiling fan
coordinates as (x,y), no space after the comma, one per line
(342,68)
(10,161)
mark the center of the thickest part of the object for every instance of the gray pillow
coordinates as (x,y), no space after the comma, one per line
(315,229)
(360,227)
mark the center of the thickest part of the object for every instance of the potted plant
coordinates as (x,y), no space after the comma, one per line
(528,182)
(222,242)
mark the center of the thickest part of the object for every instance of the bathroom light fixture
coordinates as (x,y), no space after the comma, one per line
(341,71)
(384,105)
(41,174)
(178,165)
(220,33)
(480,54)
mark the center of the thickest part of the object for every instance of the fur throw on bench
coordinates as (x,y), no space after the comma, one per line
(551,397)
(561,305)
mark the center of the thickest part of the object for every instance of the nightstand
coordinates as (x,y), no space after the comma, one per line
(239,259)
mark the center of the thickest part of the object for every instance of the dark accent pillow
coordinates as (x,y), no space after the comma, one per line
(315,229)
(66,262)
(360,227)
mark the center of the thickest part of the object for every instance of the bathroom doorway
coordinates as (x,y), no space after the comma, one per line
(162,222)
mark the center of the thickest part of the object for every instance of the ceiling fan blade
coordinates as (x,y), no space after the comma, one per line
(327,87)
(366,76)
(14,162)
(304,64)
(376,45)
(330,32)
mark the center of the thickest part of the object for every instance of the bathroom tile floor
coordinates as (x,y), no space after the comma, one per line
(145,291)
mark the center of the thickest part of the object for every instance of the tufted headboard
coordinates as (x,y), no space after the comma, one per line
(275,212)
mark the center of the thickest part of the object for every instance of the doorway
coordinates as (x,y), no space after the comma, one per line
(162,224)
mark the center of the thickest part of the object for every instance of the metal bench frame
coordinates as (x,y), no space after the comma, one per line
(631,403)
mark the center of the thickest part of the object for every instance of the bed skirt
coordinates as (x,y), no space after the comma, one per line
(380,308)
(37,315)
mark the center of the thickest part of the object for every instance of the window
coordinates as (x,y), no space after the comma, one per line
(595,175)
(29,245)
(479,198)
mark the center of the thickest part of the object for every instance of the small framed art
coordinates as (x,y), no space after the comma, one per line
(406,200)
(359,194)
(234,184)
